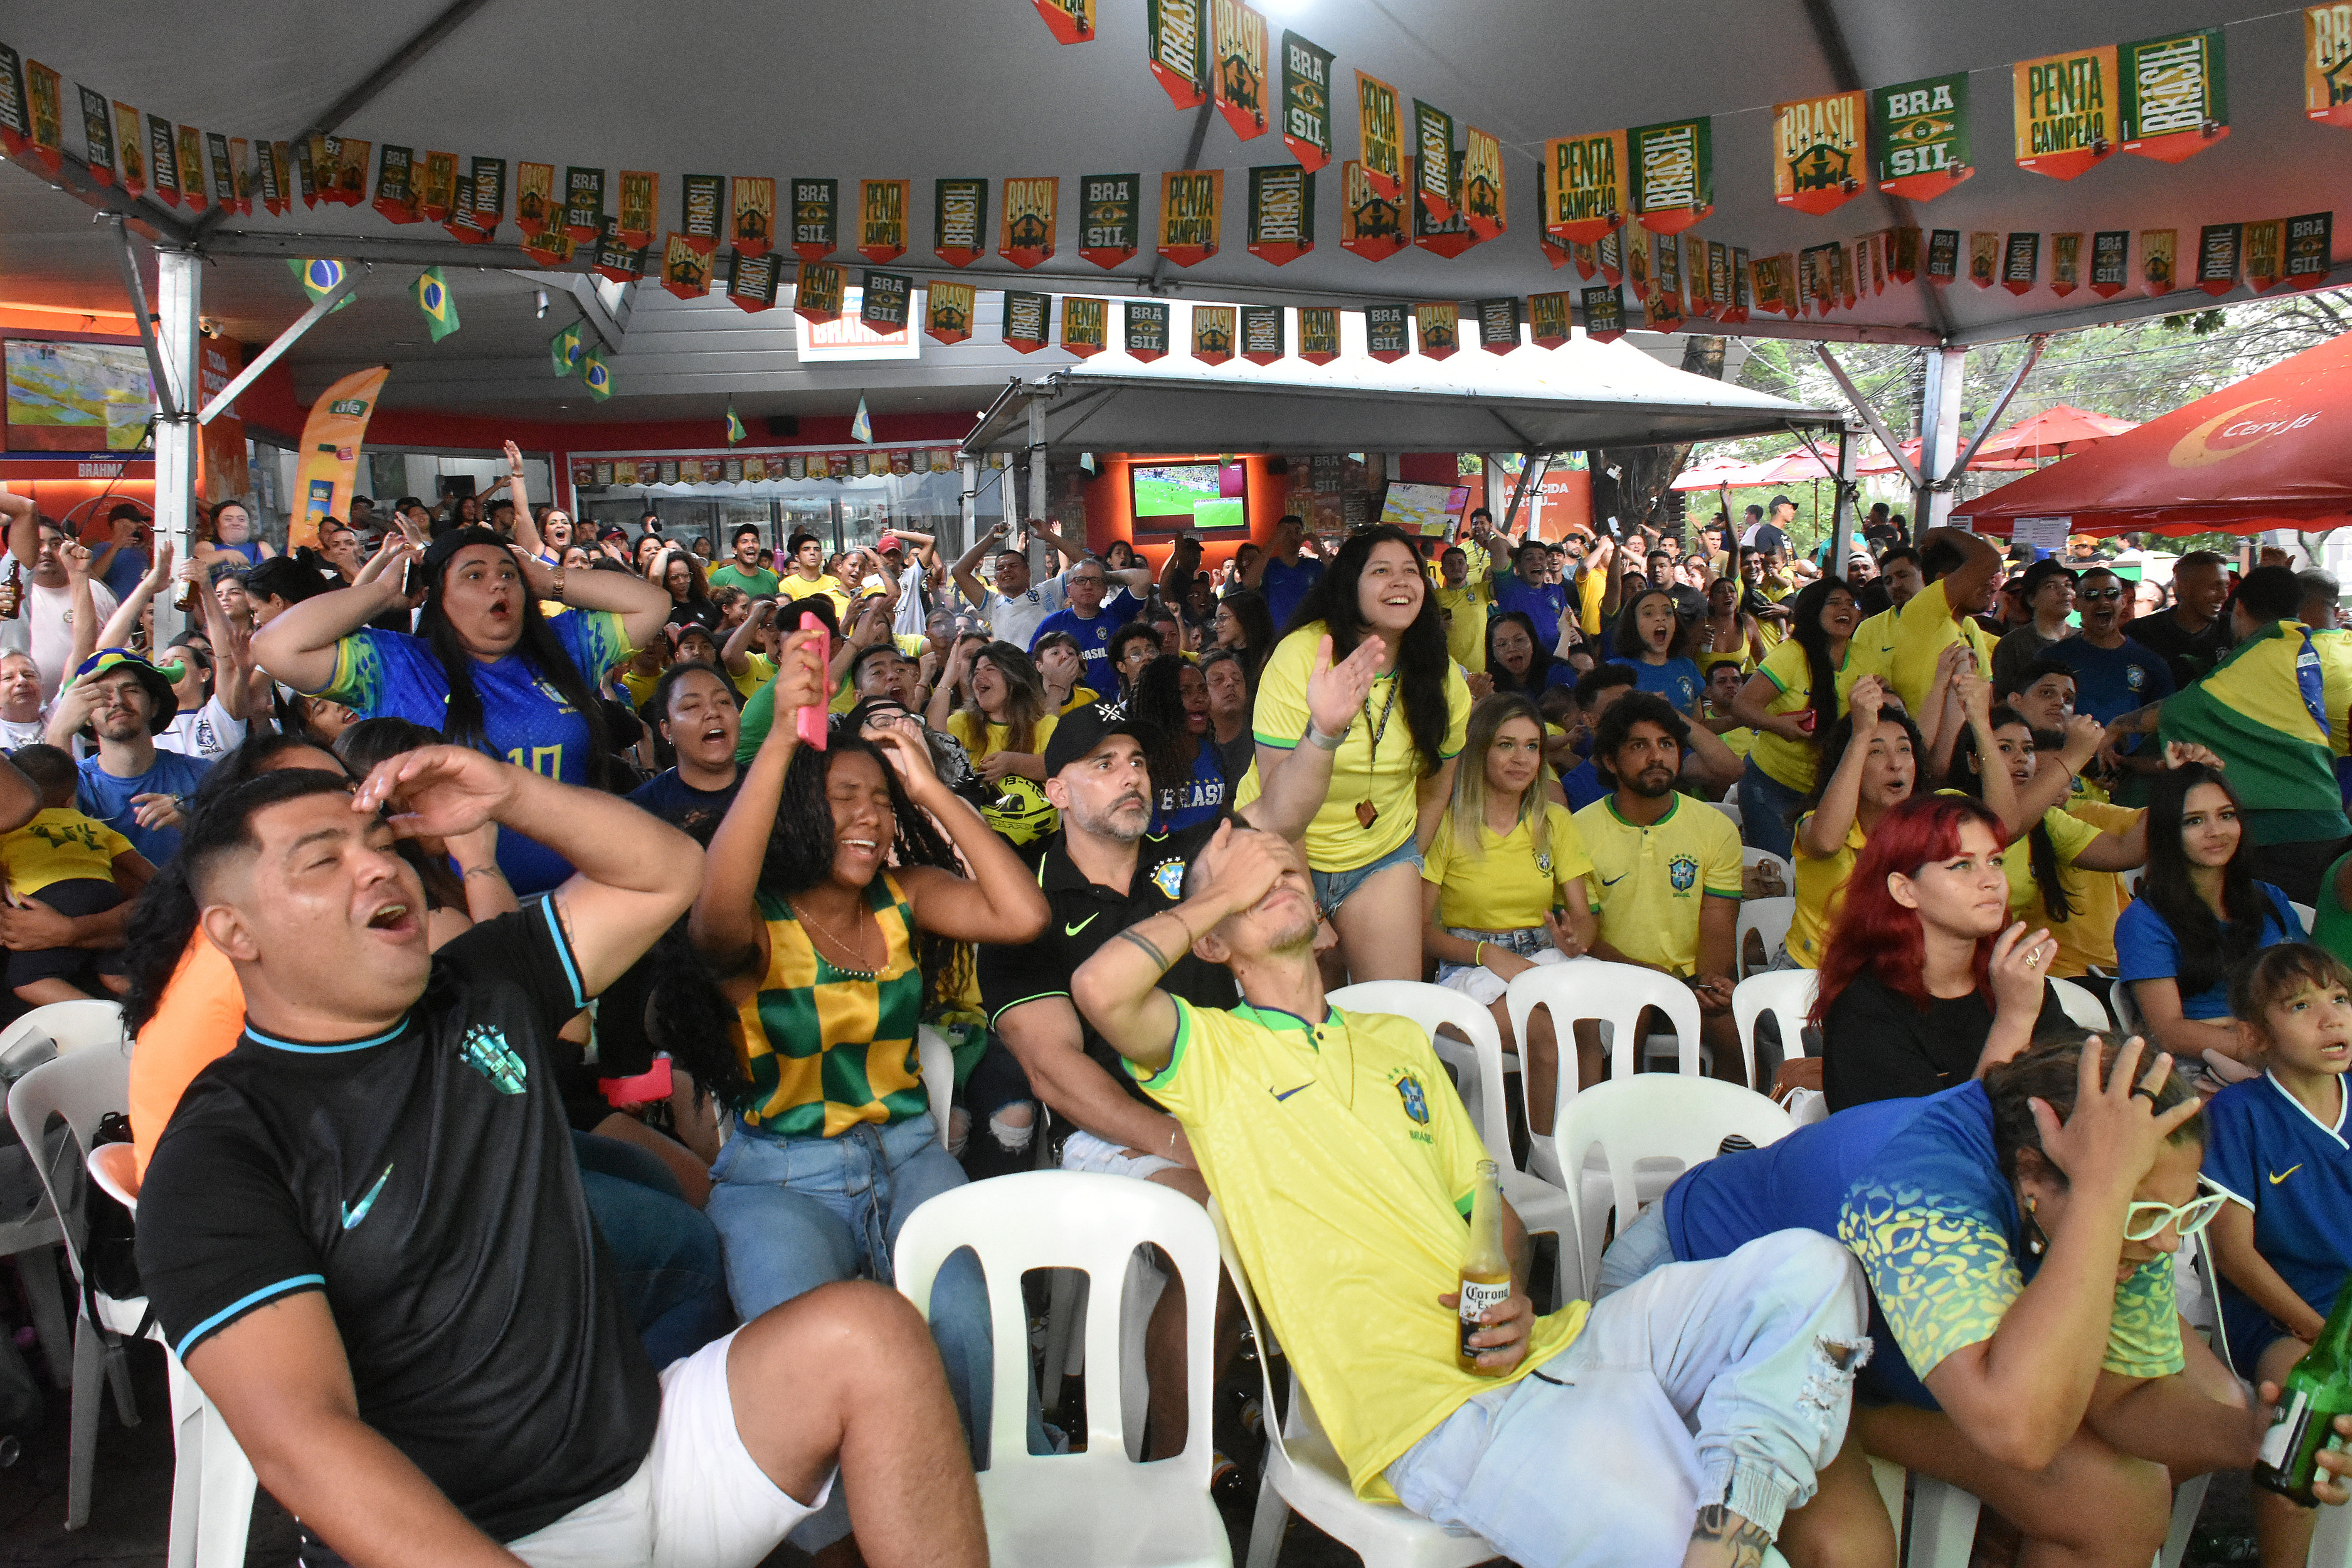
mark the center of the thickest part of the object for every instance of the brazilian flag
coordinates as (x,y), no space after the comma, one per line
(564,349)
(735,431)
(599,378)
(321,278)
(432,299)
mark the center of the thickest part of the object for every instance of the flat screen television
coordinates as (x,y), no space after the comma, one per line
(1170,497)
(76,397)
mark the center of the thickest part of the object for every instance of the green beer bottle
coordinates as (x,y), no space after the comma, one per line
(2315,1392)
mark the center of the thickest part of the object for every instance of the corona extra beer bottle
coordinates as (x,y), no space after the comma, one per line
(2315,1392)
(1485,1271)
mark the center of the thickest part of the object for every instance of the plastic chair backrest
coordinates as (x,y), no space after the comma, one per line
(2307,914)
(1750,858)
(1613,993)
(936,1059)
(2081,1005)
(2128,1018)
(1769,919)
(115,1168)
(1070,1219)
(1787,995)
(1271,1413)
(69,1025)
(1429,1007)
(81,1087)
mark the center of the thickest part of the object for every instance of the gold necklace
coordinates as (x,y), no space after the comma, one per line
(807,919)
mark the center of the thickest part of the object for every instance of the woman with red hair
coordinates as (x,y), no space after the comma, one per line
(1921,988)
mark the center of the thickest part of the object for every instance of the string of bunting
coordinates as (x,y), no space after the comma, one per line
(754,467)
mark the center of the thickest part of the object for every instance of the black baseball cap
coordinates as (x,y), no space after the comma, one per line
(1082,730)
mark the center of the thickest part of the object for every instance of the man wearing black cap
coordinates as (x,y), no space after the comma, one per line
(1101,873)
(128,784)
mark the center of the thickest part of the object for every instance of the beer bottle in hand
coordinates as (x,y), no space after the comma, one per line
(2314,1393)
(1486,1272)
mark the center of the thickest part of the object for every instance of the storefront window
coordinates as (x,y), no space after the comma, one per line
(842,513)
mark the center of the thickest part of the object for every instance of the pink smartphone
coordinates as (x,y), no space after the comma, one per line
(811,718)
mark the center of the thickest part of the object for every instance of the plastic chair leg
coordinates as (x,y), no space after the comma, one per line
(1065,1310)
(118,1378)
(37,1270)
(1270,1524)
(2188,1500)
(1943,1524)
(81,1448)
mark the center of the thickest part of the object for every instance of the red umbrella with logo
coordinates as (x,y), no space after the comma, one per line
(2274,450)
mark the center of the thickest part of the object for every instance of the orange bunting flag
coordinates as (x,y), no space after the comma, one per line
(640,200)
(1382,133)
(1482,188)
(686,264)
(818,296)
(882,219)
(2066,107)
(751,220)
(1191,203)
(2159,258)
(1438,324)
(2065,264)
(1549,318)
(1031,212)
(1371,225)
(1237,65)
(1319,333)
(1213,328)
(1070,21)
(947,312)
(1819,151)
(1585,191)
(534,198)
(1084,325)
(2327,64)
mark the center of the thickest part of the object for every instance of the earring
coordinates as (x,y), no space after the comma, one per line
(2035,1242)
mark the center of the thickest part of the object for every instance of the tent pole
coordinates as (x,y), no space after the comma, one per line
(1037,455)
(179,286)
(1841,522)
(1940,438)
(2033,347)
(970,468)
(1531,466)
(1870,416)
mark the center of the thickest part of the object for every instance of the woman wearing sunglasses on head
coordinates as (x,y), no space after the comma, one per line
(2016,1235)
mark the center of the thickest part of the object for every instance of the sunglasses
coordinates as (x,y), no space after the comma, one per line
(2143,1220)
(2095,594)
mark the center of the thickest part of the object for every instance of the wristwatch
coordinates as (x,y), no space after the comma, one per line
(1327,743)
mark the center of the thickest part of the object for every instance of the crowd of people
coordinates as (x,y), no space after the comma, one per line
(581,907)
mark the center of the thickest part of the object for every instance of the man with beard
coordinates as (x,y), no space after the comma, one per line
(128,784)
(2112,673)
(1101,873)
(1667,870)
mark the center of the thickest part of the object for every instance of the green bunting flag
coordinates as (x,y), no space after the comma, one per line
(320,277)
(432,299)
(599,378)
(735,431)
(565,349)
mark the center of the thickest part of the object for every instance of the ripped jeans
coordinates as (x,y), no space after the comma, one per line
(1724,1381)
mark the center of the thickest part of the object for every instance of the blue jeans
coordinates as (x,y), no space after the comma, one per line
(1332,888)
(665,1251)
(1766,812)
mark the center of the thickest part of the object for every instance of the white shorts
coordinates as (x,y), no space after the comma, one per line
(699,1501)
(1082,1151)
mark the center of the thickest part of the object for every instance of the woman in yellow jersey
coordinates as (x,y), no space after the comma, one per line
(1394,770)
(836,917)
(1726,631)
(1503,887)
(1004,726)
(1794,699)
(1870,766)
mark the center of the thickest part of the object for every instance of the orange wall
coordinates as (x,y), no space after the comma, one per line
(1111,513)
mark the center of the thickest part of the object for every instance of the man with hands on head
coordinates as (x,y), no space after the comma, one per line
(1344,1168)
(129,783)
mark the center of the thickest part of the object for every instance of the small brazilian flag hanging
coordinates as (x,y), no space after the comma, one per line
(432,299)
(735,431)
(320,279)
(564,349)
(599,379)
(861,428)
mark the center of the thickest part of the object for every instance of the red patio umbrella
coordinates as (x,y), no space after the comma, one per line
(1877,462)
(2057,432)
(2274,450)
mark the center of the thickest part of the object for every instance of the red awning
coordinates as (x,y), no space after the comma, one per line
(2274,450)
(2058,432)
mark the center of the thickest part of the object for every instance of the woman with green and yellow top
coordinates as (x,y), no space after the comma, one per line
(1792,700)
(1004,725)
(1871,763)
(1504,888)
(836,916)
(1394,768)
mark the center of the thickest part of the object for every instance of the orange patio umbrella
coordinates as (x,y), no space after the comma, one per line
(2056,432)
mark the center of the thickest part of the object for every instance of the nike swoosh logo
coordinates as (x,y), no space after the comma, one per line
(1612,881)
(353,1217)
(1286,1093)
(1073,930)
(2283,1175)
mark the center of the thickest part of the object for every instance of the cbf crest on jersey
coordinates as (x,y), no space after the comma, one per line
(1169,878)
(1416,1099)
(1682,872)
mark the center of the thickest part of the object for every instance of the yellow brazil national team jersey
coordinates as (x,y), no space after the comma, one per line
(59,844)
(795,586)
(2086,939)
(1343,1163)
(1649,882)
(1820,879)
(1338,841)
(2069,836)
(1791,764)
(1503,885)
(1923,629)
(1591,589)
(1466,627)
(758,670)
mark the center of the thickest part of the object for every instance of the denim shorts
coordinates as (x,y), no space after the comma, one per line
(1332,888)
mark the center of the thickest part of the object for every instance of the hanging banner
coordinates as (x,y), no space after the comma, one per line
(97,134)
(1110,218)
(1944,255)
(1611,250)
(190,149)
(1549,318)
(1382,132)
(2327,64)
(1637,261)
(436,188)
(1672,170)
(1555,252)
(1177,36)
(1237,54)
(1920,131)
(2265,255)
(948,310)
(1903,254)
(1770,289)
(1696,298)
(686,264)
(959,221)
(615,259)
(584,203)
(885,298)
(2176,95)
(816,217)
(395,197)
(1438,324)
(550,251)
(241,158)
(818,296)
(2310,250)
(224,176)
(1084,325)
(1499,324)
(45,105)
(1819,151)
(2159,259)
(1028,321)
(2065,108)
(2219,247)
(1319,333)
(640,200)
(1587,256)
(1214,327)
(1262,334)
(1306,102)
(163,159)
(1720,269)
(1146,330)
(750,219)
(2065,264)
(1433,160)
(2110,262)
(1817,278)
(1604,313)
(331,436)
(1984,259)
(1662,312)
(701,208)
(1384,334)
(1281,213)
(1585,186)
(1666,266)
(16,121)
(1032,209)
(1189,205)
(1070,21)
(274,190)
(489,194)
(1741,300)
(2020,263)
(1481,189)
(1371,225)
(534,198)
(130,152)
(343,171)
(1450,236)
(1843,276)
(752,282)
(882,219)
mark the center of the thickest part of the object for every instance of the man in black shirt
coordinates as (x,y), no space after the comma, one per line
(1101,873)
(364,1236)
(2191,634)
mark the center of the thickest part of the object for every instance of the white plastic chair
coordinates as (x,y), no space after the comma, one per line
(2081,1005)
(2128,1018)
(31,1235)
(1788,996)
(1655,1117)
(1303,1473)
(935,1058)
(1769,919)
(1095,1506)
(1729,808)
(1750,858)
(2307,914)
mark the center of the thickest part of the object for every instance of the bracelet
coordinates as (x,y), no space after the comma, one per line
(489,870)
(559,584)
(1316,737)
(1479,956)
